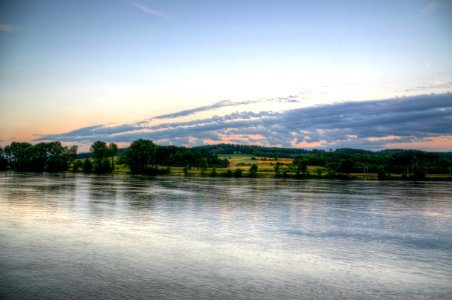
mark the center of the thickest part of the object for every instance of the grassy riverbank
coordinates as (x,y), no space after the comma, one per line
(228,160)
(240,164)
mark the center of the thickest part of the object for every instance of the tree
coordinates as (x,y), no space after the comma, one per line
(87,165)
(203,165)
(113,150)
(77,164)
(58,157)
(277,169)
(41,158)
(19,156)
(382,173)
(186,171)
(140,156)
(238,173)
(319,172)
(253,171)
(100,152)
(49,157)
(301,165)
(3,161)
(346,166)
(213,173)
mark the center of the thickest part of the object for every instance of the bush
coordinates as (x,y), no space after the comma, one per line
(228,173)
(238,173)
(213,173)
(382,174)
(87,165)
(253,171)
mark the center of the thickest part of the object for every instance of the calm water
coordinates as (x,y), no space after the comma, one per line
(114,237)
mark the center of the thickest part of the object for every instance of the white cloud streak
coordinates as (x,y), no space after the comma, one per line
(148,10)
(224,103)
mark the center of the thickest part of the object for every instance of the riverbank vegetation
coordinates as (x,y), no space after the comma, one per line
(42,157)
(228,160)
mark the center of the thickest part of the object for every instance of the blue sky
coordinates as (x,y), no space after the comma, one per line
(68,65)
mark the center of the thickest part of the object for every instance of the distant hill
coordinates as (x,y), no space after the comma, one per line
(256,150)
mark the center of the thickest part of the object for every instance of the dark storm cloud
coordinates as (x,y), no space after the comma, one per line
(410,115)
(349,124)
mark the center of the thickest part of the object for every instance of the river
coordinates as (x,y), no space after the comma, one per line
(74,236)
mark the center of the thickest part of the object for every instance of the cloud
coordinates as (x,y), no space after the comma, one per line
(92,133)
(195,110)
(148,10)
(224,103)
(367,124)
(9,28)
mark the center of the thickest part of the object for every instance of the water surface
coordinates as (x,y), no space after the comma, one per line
(69,236)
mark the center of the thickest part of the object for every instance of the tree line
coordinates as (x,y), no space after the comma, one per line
(145,157)
(42,157)
(410,163)
(414,164)
(141,157)
(273,152)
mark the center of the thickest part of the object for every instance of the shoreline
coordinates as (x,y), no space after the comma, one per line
(340,177)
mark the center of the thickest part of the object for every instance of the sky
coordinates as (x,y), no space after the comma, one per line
(308,74)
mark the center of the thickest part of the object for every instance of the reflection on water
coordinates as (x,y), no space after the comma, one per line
(69,236)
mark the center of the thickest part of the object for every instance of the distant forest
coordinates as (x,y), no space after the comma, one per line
(145,157)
